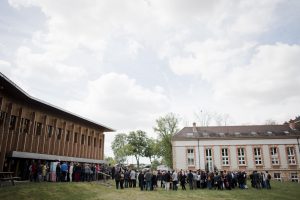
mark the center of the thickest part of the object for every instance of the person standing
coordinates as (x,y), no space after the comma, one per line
(190,178)
(183,180)
(141,180)
(148,179)
(133,178)
(71,172)
(268,179)
(117,177)
(167,180)
(175,180)
(58,172)
(64,171)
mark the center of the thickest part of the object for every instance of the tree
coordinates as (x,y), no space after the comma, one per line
(136,144)
(110,160)
(152,149)
(119,147)
(166,127)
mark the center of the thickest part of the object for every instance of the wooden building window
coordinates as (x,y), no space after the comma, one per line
(59,132)
(68,136)
(12,123)
(38,129)
(100,143)
(95,142)
(75,137)
(26,123)
(2,117)
(82,139)
(89,140)
(50,129)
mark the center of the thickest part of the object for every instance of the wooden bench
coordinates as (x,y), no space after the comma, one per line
(7,176)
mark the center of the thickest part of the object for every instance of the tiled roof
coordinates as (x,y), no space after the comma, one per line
(237,132)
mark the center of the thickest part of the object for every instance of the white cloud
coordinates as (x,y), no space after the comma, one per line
(117,100)
(271,76)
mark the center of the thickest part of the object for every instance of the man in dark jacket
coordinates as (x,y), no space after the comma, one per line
(117,179)
(190,177)
(141,180)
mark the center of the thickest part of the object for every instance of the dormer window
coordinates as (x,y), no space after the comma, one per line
(269,133)
(237,133)
(253,133)
(222,134)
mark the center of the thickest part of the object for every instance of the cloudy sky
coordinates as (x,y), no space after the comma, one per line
(125,63)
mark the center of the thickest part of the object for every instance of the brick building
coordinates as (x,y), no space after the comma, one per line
(33,129)
(273,148)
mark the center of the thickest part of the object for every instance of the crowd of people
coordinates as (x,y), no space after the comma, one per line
(148,180)
(39,171)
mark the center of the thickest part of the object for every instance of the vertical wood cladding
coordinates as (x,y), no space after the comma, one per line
(37,130)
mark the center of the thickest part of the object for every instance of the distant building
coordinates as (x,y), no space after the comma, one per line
(33,129)
(274,148)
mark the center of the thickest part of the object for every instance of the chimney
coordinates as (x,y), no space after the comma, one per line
(292,124)
(194,128)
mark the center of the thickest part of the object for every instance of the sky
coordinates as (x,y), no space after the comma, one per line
(126,63)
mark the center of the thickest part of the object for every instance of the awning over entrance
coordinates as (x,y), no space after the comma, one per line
(38,156)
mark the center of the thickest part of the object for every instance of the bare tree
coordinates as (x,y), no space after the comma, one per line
(270,122)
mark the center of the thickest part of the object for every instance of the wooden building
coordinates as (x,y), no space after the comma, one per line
(33,129)
(273,148)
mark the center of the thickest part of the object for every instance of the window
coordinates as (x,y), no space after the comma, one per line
(291,155)
(89,140)
(26,124)
(190,157)
(59,131)
(82,139)
(12,123)
(277,176)
(38,129)
(2,117)
(68,136)
(100,143)
(209,161)
(50,129)
(225,157)
(241,156)
(294,177)
(257,156)
(274,155)
(95,142)
(75,137)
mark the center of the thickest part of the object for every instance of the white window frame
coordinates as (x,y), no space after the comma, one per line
(225,156)
(291,155)
(209,158)
(274,155)
(257,156)
(190,157)
(241,156)
(277,176)
(294,177)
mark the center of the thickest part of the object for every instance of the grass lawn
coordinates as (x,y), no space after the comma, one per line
(74,191)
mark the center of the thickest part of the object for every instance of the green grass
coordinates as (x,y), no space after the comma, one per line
(74,191)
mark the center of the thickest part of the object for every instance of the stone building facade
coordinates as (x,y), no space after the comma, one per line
(273,148)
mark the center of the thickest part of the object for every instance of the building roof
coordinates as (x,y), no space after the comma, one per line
(13,90)
(236,132)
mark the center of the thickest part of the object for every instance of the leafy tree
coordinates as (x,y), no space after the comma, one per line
(166,127)
(120,148)
(152,149)
(136,144)
(110,160)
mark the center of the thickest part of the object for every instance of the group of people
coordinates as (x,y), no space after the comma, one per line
(149,180)
(65,171)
